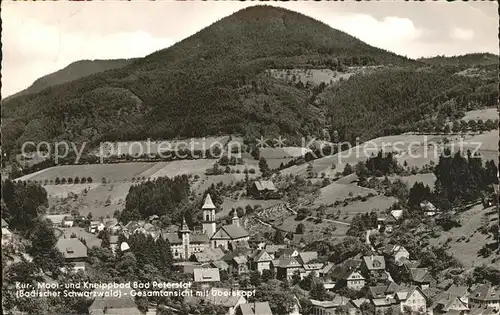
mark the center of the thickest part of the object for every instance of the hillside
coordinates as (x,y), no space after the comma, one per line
(476,59)
(181,91)
(216,82)
(73,71)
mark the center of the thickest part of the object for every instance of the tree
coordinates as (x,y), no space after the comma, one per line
(255,278)
(89,179)
(77,180)
(278,238)
(347,170)
(318,291)
(105,239)
(263,167)
(300,228)
(43,249)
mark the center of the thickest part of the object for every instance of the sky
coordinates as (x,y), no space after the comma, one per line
(39,38)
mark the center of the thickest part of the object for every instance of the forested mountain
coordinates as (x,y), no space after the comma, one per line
(215,82)
(205,84)
(73,71)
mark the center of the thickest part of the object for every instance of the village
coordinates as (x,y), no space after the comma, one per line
(216,252)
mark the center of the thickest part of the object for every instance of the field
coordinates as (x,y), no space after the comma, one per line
(172,169)
(428,179)
(375,203)
(484,114)
(111,172)
(229,204)
(338,192)
(63,191)
(466,250)
(276,156)
(314,76)
(320,230)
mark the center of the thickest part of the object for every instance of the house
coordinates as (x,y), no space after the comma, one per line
(112,225)
(261,261)
(187,267)
(6,233)
(56,219)
(354,306)
(74,251)
(326,269)
(287,267)
(286,253)
(262,189)
(373,263)
(328,307)
(301,240)
(310,268)
(396,252)
(68,221)
(485,296)
(256,308)
(421,277)
(96,227)
(113,242)
(206,275)
(227,236)
(428,208)
(355,281)
(452,300)
(386,223)
(220,264)
(239,264)
(208,255)
(227,298)
(411,298)
(340,274)
(274,249)
(114,306)
(306,257)
(257,241)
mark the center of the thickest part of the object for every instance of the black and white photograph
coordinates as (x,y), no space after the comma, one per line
(250,157)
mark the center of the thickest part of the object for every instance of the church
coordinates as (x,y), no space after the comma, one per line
(185,242)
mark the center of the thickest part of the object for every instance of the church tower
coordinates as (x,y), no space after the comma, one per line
(208,208)
(185,235)
(236,220)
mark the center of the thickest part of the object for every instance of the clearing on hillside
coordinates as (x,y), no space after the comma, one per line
(484,114)
(466,240)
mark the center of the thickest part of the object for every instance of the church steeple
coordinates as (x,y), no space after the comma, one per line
(186,240)
(208,222)
(236,220)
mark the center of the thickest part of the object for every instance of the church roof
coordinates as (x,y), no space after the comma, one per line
(234,231)
(208,203)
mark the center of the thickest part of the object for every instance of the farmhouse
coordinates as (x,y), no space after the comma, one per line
(287,267)
(397,252)
(411,298)
(261,261)
(74,251)
(262,188)
(56,219)
(226,298)
(114,306)
(485,296)
(256,308)
(421,277)
(428,208)
(205,275)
